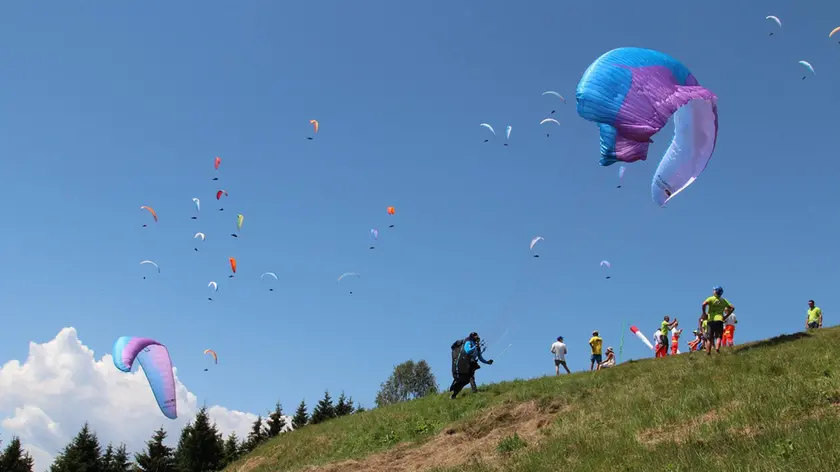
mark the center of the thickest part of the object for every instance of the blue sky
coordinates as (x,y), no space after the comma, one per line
(106,106)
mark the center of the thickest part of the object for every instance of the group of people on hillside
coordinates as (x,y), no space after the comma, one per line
(715,329)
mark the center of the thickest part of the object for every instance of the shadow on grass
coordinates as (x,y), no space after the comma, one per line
(784,338)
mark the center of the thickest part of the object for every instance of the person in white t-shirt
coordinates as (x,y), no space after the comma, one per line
(559,351)
(729,330)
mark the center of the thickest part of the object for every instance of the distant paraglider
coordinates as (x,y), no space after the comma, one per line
(507,133)
(485,125)
(197,203)
(198,236)
(607,265)
(534,242)
(549,120)
(809,67)
(219,197)
(216,163)
(776,19)
(215,288)
(349,274)
(375,233)
(232,266)
(392,212)
(835,30)
(620,175)
(314,124)
(150,210)
(152,263)
(157,365)
(271,274)
(239,220)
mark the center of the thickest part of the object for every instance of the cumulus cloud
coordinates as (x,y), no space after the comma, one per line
(46,399)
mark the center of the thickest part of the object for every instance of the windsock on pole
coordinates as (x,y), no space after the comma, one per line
(641,336)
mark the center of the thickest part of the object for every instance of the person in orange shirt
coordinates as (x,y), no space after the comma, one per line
(675,340)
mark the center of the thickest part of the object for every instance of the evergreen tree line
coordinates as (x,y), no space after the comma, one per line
(201,447)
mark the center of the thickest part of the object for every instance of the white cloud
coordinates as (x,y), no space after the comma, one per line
(61,385)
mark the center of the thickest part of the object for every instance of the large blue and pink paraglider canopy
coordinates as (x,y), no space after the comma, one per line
(157,365)
(631,93)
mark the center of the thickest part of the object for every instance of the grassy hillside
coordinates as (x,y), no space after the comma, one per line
(772,405)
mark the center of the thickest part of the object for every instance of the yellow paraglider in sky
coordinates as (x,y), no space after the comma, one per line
(833,31)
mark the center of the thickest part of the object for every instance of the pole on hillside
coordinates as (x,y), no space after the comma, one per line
(621,345)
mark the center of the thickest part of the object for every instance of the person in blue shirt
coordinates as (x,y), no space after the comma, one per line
(466,354)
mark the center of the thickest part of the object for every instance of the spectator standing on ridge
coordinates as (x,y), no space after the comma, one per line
(595,343)
(814,319)
(729,330)
(664,327)
(559,351)
(658,349)
(675,339)
(719,309)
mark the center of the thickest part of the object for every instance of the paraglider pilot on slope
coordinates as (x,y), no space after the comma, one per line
(466,354)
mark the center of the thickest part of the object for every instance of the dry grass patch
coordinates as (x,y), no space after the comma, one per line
(472,441)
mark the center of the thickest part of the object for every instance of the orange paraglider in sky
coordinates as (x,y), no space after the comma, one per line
(233,265)
(314,124)
(152,211)
(391,211)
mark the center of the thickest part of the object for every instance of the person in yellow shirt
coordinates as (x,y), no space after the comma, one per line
(595,342)
(719,309)
(814,319)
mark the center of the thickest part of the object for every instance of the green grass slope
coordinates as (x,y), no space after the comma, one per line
(772,405)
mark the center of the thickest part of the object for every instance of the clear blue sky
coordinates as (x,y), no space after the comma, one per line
(106,106)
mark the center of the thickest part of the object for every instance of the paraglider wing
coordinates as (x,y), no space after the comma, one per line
(375,233)
(220,193)
(507,132)
(348,274)
(217,162)
(239,220)
(214,286)
(535,240)
(630,93)
(157,365)
(152,263)
(621,172)
(549,120)
(551,92)
(314,124)
(232,264)
(489,127)
(804,63)
(776,19)
(391,210)
(199,235)
(150,210)
(197,204)
(606,263)
(833,31)
(213,353)
(271,274)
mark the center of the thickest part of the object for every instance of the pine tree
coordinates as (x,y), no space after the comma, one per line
(200,445)
(14,458)
(232,449)
(120,462)
(157,457)
(276,422)
(324,410)
(344,405)
(359,409)
(83,454)
(107,458)
(256,436)
(301,418)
